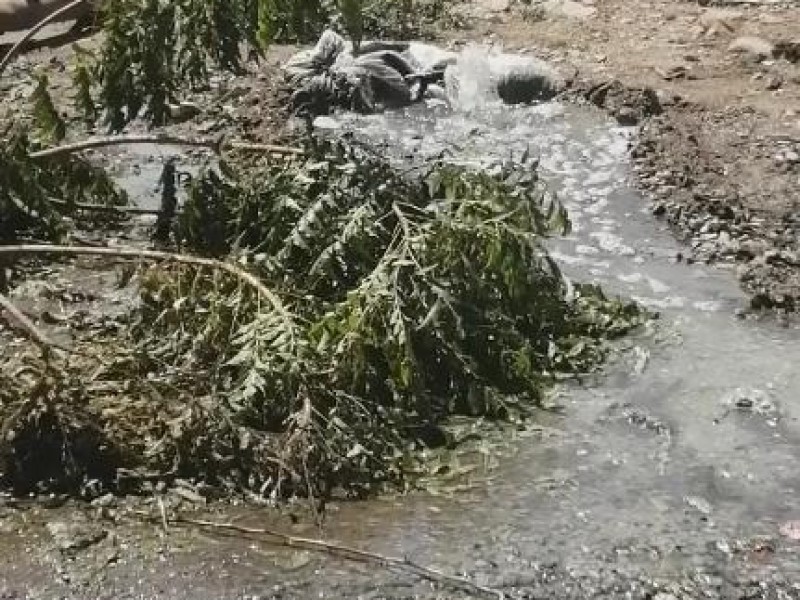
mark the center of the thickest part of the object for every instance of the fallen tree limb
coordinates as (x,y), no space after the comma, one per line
(353,554)
(215,145)
(54,16)
(155,255)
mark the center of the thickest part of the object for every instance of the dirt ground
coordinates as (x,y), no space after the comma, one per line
(721,162)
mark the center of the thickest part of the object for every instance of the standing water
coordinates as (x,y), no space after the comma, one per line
(683,465)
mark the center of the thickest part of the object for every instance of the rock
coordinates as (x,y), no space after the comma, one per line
(788,50)
(698,503)
(569,9)
(752,46)
(75,536)
(628,105)
(495,6)
(717,21)
(524,79)
(183,111)
(791,530)
(775,83)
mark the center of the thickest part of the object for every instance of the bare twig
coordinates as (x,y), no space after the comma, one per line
(353,554)
(109,208)
(36,29)
(44,342)
(119,140)
(271,148)
(156,255)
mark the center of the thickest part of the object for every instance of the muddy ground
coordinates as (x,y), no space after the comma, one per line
(721,165)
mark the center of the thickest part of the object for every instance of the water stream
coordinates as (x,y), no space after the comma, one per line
(685,461)
(680,462)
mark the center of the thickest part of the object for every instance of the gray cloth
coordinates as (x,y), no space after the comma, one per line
(394,74)
(329,75)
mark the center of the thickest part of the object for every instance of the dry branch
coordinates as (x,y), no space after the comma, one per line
(54,16)
(107,208)
(119,140)
(155,255)
(354,554)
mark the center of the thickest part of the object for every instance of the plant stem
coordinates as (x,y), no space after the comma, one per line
(36,29)
(109,208)
(156,255)
(119,140)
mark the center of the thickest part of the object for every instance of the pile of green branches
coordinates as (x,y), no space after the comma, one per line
(388,302)
(366,307)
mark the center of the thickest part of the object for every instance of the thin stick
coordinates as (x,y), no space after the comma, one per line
(33,332)
(110,208)
(354,554)
(36,29)
(119,140)
(271,148)
(136,253)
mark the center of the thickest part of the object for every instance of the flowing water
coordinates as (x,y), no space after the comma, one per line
(683,461)
(679,464)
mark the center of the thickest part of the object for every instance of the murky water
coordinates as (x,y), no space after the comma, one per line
(683,458)
(680,462)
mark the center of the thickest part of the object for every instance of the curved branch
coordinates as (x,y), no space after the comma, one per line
(156,255)
(120,140)
(36,29)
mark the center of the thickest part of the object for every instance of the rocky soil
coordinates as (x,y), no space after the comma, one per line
(721,161)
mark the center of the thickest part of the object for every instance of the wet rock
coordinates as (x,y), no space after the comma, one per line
(106,501)
(791,530)
(755,401)
(569,9)
(628,105)
(788,50)
(72,537)
(183,111)
(774,83)
(718,21)
(700,504)
(495,6)
(522,80)
(752,47)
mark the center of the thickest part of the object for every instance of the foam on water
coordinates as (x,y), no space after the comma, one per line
(628,484)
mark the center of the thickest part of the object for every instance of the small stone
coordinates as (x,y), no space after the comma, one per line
(774,83)
(752,46)
(104,501)
(569,9)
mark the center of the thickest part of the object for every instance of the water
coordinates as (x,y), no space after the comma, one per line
(683,456)
(678,464)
